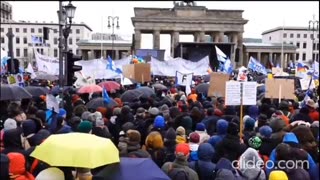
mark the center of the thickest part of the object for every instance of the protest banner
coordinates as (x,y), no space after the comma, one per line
(280,89)
(217,84)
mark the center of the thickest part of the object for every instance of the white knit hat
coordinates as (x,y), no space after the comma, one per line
(9,124)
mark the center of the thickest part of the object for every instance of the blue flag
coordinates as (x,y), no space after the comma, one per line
(105,95)
(227,68)
(256,66)
(111,66)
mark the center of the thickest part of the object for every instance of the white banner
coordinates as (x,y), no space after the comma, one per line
(98,67)
(169,68)
(49,65)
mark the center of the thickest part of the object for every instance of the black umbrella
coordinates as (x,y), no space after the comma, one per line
(146,91)
(99,102)
(37,90)
(202,88)
(13,92)
(206,78)
(159,86)
(46,76)
(56,89)
(130,95)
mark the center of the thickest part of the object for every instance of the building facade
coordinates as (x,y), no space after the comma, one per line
(22,43)
(306,42)
(6,12)
(196,20)
(102,45)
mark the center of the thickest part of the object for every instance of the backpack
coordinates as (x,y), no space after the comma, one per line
(177,173)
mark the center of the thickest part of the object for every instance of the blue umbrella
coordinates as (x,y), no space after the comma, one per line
(133,169)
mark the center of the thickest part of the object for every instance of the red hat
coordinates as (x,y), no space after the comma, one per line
(183,149)
(194,137)
(218,112)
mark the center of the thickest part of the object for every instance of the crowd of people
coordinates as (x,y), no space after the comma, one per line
(187,136)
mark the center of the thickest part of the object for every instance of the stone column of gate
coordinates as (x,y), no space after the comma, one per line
(240,46)
(137,39)
(117,54)
(220,36)
(294,57)
(259,56)
(174,41)
(215,37)
(196,37)
(156,39)
(202,36)
(235,41)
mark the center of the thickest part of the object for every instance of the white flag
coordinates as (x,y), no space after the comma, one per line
(30,70)
(184,80)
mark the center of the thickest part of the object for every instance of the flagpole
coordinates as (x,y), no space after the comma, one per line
(101,37)
(282,45)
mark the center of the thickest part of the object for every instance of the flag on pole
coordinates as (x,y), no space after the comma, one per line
(227,67)
(256,66)
(111,66)
(105,96)
(220,55)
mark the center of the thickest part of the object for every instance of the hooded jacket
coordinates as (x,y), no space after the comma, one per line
(248,170)
(12,141)
(222,126)
(290,138)
(205,166)
(17,167)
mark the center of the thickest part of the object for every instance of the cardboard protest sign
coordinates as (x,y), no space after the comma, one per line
(280,88)
(140,72)
(276,70)
(233,93)
(217,84)
(305,84)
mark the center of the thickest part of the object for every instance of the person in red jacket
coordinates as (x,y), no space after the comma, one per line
(17,167)
(313,113)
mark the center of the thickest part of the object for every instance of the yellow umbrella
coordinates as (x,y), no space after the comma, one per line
(77,150)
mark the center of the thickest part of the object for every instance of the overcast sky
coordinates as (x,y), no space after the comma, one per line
(261,15)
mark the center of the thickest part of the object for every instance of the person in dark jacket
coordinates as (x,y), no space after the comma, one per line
(210,121)
(204,167)
(4,164)
(248,131)
(230,114)
(222,127)
(267,144)
(230,147)
(169,145)
(302,115)
(12,141)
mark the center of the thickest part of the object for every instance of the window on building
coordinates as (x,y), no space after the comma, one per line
(284,35)
(41,51)
(318,36)
(291,35)
(17,52)
(269,38)
(291,43)
(25,52)
(314,46)
(17,30)
(313,56)
(78,31)
(55,41)
(2,29)
(77,52)
(304,45)
(77,40)
(298,45)
(25,30)
(40,30)
(2,40)
(297,56)
(284,42)
(70,31)
(305,35)
(318,46)
(40,38)
(32,30)
(298,35)
(304,56)
(55,30)
(25,40)
(55,52)
(70,41)
(17,40)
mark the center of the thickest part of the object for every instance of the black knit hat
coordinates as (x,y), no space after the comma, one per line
(233,129)
(170,134)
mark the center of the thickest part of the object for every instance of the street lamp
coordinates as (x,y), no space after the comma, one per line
(65,15)
(113,18)
(314,27)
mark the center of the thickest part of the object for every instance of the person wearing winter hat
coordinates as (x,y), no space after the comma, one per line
(253,112)
(277,125)
(154,111)
(17,167)
(255,142)
(194,141)
(85,115)
(164,109)
(201,130)
(313,113)
(248,131)
(62,113)
(132,145)
(181,135)
(155,146)
(169,145)
(182,153)
(248,164)
(230,146)
(221,128)
(100,129)
(85,127)
(159,123)
(9,124)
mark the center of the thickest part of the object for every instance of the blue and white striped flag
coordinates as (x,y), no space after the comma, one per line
(254,65)
(227,67)
(35,40)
